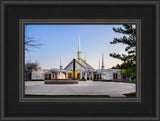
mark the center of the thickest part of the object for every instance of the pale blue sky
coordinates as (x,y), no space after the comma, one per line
(62,40)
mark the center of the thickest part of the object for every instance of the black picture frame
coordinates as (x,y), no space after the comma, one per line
(12,108)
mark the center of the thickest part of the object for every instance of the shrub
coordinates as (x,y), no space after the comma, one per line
(82,79)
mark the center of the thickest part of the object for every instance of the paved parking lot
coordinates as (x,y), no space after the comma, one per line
(114,89)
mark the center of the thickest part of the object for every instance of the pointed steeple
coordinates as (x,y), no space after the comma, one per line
(79,58)
(60,67)
(102,61)
(99,65)
(79,44)
(60,61)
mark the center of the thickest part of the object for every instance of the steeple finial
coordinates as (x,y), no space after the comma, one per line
(102,61)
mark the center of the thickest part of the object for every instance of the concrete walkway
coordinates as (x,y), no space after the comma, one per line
(114,89)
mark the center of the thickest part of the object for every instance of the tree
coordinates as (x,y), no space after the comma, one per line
(129,60)
(129,72)
(118,66)
(32,65)
(30,42)
(128,39)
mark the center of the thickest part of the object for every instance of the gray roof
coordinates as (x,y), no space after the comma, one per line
(83,63)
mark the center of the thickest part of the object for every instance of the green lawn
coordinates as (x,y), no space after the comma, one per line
(81,79)
(30,95)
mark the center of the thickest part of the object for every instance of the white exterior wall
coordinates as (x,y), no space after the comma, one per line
(107,74)
(38,75)
(104,76)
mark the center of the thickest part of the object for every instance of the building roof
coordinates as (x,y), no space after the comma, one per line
(80,65)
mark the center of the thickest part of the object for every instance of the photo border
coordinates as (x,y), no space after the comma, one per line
(23,22)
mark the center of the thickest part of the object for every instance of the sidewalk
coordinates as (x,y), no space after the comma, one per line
(114,89)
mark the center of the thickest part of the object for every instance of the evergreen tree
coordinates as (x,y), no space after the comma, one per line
(129,60)
(128,39)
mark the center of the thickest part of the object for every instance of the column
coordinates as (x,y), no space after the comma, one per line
(92,75)
(86,75)
(89,75)
(66,74)
(43,76)
(80,75)
(51,75)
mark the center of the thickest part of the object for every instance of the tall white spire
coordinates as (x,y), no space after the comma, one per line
(99,65)
(102,61)
(79,58)
(61,67)
(60,61)
(79,45)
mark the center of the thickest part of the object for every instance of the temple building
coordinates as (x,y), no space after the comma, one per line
(78,69)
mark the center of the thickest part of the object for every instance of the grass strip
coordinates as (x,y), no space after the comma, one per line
(30,95)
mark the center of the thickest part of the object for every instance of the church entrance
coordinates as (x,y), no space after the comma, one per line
(115,76)
(70,75)
(47,76)
(78,76)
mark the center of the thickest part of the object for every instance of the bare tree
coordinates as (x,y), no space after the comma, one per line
(32,65)
(30,42)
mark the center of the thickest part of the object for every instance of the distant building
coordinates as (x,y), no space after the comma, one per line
(39,74)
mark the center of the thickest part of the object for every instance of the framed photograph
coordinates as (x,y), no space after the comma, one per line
(80,60)
(80,77)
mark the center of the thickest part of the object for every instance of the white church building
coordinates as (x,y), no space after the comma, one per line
(78,69)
